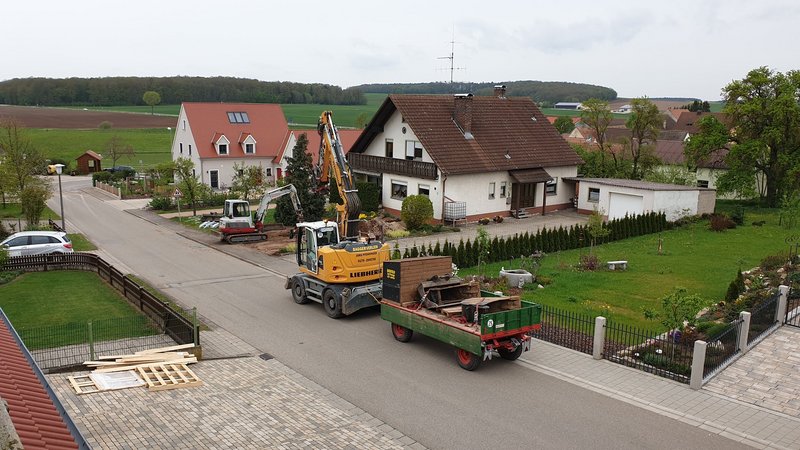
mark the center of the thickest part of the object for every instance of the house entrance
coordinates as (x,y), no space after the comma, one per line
(523,195)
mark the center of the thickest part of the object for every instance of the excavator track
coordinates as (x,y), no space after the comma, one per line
(239,238)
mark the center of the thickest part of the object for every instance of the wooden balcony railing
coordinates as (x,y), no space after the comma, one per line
(368,163)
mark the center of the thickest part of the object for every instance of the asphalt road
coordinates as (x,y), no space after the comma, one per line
(415,387)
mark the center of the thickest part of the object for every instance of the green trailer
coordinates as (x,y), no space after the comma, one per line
(507,332)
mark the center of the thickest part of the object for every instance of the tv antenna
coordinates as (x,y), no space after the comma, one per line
(451,58)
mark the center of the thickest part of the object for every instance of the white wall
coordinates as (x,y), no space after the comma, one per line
(412,186)
(564,191)
(605,191)
(183,135)
(226,171)
(676,204)
(393,129)
(474,190)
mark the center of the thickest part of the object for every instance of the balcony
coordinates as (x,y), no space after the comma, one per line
(379,164)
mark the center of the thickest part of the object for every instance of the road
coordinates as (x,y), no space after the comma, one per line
(415,387)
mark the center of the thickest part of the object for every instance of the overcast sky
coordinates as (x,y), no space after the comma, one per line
(658,49)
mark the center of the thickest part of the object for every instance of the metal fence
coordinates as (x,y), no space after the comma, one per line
(571,330)
(75,342)
(722,348)
(762,318)
(666,355)
(793,309)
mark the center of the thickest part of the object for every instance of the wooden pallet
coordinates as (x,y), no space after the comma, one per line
(160,377)
(83,384)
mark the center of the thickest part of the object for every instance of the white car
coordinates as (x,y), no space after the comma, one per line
(28,243)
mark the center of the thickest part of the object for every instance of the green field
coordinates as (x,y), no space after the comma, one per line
(574,113)
(14,210)
(152,145)
(693,257)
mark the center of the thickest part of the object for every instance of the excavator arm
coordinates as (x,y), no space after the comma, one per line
(274,194)
(332,160)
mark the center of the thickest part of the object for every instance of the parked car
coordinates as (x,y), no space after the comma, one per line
(37,243)
(126,171)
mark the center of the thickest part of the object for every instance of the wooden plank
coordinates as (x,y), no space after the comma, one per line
(83,384)
(161,377)
(165,349)
(135,366)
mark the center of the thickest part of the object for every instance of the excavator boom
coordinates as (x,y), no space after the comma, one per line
(332,159)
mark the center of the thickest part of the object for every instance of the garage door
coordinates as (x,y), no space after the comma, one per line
(620,204)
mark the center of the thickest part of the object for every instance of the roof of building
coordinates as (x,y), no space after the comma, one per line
(91,154)
(265,122)
(636,184)
(35,411)
(508,133)
(688,120)
(348,138)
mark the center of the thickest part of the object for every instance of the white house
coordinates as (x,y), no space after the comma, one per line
(218,137)
(618,197)
(474,157)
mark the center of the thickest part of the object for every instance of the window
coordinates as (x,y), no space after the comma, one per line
(190,149)
(424,189)
(550,187)
(503,186)
(241,172)
(702,183)
(413,150)
(238,117)
(90,162)
(181,146)
(249,148)
(223,149)
(491,190)
(399,190)
(213,178)
(268,171)
(18,242)
(194,173)
(389,148)
(184,124)
(594,195)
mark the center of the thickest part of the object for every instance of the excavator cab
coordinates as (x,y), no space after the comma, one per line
(236,208)
(311,237)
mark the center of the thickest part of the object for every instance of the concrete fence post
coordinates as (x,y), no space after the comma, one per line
(698,365)
(744,332)
(599,337)
(780,312)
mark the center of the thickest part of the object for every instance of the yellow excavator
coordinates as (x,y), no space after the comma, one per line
(337,267)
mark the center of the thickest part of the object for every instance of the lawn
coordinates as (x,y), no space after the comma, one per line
(80,243)
(575,113)
(693,257)
(14,210)
(152,145)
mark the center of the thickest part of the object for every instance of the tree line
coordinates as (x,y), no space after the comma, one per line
(543,92)
(123,91)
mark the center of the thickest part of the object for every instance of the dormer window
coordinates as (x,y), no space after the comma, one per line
(238,117)
(221,143)
(249,148)
(248,143)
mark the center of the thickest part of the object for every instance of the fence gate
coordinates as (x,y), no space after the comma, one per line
(793,310)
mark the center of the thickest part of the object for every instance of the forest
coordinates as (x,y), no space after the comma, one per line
(543,92)
(119,91)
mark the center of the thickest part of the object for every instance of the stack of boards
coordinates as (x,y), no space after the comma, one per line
(159,369)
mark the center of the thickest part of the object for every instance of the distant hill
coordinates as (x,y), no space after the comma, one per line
(124,91)
(540,91)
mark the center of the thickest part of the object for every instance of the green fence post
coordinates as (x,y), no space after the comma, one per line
(91,341)
(195,328)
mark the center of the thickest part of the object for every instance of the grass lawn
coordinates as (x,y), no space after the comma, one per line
(693,257)
(152,145)
(80,243)
(14,210)
(46,320)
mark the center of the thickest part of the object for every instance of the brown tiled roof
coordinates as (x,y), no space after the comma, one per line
(670,152)
(348,137)
(32,409)
(92,154)
(505,134)
(530,175)
(687,120)
(672,135)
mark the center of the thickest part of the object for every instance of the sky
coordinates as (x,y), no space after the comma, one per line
(638,48)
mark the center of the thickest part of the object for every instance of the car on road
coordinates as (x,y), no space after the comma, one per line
(27,243)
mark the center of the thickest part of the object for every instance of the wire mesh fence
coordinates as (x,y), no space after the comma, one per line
(667,355)
(722,348)
(762,318)
(566,329)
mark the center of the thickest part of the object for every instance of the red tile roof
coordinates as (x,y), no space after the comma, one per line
(348,138)
(508,133)
(92,154)
(687,120)
(33,411)
(209,121)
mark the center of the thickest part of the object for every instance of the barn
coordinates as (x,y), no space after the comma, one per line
(89,162)
(617,197)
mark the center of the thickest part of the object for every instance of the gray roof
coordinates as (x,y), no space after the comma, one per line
(637,184)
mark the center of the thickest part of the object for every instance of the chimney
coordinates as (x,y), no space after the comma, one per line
(500,90)
(462,113)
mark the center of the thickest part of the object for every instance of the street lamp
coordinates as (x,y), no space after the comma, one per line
(59,169)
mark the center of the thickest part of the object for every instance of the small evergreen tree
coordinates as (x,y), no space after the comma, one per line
(460,255)
(396,251)
(437,250)
(733,292)
(406,254)
(299,172)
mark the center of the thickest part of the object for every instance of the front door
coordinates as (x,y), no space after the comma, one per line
(523,195)
(214,179)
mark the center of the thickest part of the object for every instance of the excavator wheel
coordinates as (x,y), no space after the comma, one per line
(299,291)
(332,304)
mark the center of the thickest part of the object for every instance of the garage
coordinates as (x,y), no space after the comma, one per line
(621,204)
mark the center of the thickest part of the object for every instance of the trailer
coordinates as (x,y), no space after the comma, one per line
(477,327)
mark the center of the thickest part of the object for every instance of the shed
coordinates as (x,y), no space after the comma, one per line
(89,162)
(618,197)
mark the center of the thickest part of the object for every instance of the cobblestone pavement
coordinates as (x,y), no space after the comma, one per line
(768,375)
(245,403)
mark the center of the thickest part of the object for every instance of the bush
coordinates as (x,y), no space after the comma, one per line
(105,125)
(721,222)
(416,211)
(733,292)
(773,262)
(369,193)
(396,234)
(161,203)
(103,177)
(589,262)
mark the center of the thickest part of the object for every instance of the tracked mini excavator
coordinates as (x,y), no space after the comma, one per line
(337,267)
(237,224)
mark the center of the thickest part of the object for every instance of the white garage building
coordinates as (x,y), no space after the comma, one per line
(617,197)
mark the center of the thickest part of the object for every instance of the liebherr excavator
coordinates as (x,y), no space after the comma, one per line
(337,267)
(237,225)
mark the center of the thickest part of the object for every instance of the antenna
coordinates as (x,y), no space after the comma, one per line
(452,57)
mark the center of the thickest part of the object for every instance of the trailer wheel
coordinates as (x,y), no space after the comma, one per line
(401,333)
(299,291)
(467,361)
(510,355)
(330,300)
